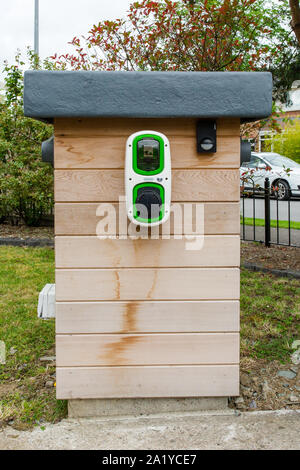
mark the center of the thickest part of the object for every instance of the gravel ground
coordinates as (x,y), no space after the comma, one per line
(275,257)
(267,385)
(10,231)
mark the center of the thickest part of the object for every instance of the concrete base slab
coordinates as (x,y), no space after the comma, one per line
(142,406)
(206,430)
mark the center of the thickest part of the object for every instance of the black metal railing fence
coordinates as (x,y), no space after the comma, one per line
(271,231)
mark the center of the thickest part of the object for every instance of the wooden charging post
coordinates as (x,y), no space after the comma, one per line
(144,319)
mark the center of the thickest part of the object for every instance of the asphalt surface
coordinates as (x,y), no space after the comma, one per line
(283,236)
(215,430)
(282,208)
(280,236)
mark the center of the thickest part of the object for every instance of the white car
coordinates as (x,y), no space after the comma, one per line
(283,173)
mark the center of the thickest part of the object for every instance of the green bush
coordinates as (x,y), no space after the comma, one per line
(287,143)
(26,183)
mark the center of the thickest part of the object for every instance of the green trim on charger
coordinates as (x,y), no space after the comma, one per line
(162,195)
(161,154)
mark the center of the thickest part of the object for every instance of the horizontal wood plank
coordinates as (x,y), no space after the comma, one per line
(94,252)
(147,349)
(148,305)
(147,317)
(82,219)
(108,185)
(87,127)
(107,152)
(148,381)
(147,284)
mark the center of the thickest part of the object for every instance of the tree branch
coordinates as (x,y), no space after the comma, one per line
(295,22)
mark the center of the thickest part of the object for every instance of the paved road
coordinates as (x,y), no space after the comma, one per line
(249,430)
(282,208)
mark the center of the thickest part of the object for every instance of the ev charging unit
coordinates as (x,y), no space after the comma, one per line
(148,178)
(145,320)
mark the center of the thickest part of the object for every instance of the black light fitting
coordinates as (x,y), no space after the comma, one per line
(206,136)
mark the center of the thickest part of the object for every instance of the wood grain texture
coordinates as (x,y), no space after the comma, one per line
(108,185)
(109,152)
(147,317)
(147,284)
(147,349)
(147,381)
(89,127)
(93,252)
(82,219)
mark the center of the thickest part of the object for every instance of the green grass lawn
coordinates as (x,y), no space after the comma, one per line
(23,273)
(269,323)
(270,315)
(261,223)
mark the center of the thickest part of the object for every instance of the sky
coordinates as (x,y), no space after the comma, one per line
(60,21)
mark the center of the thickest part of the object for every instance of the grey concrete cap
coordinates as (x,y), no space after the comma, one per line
(50,94)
